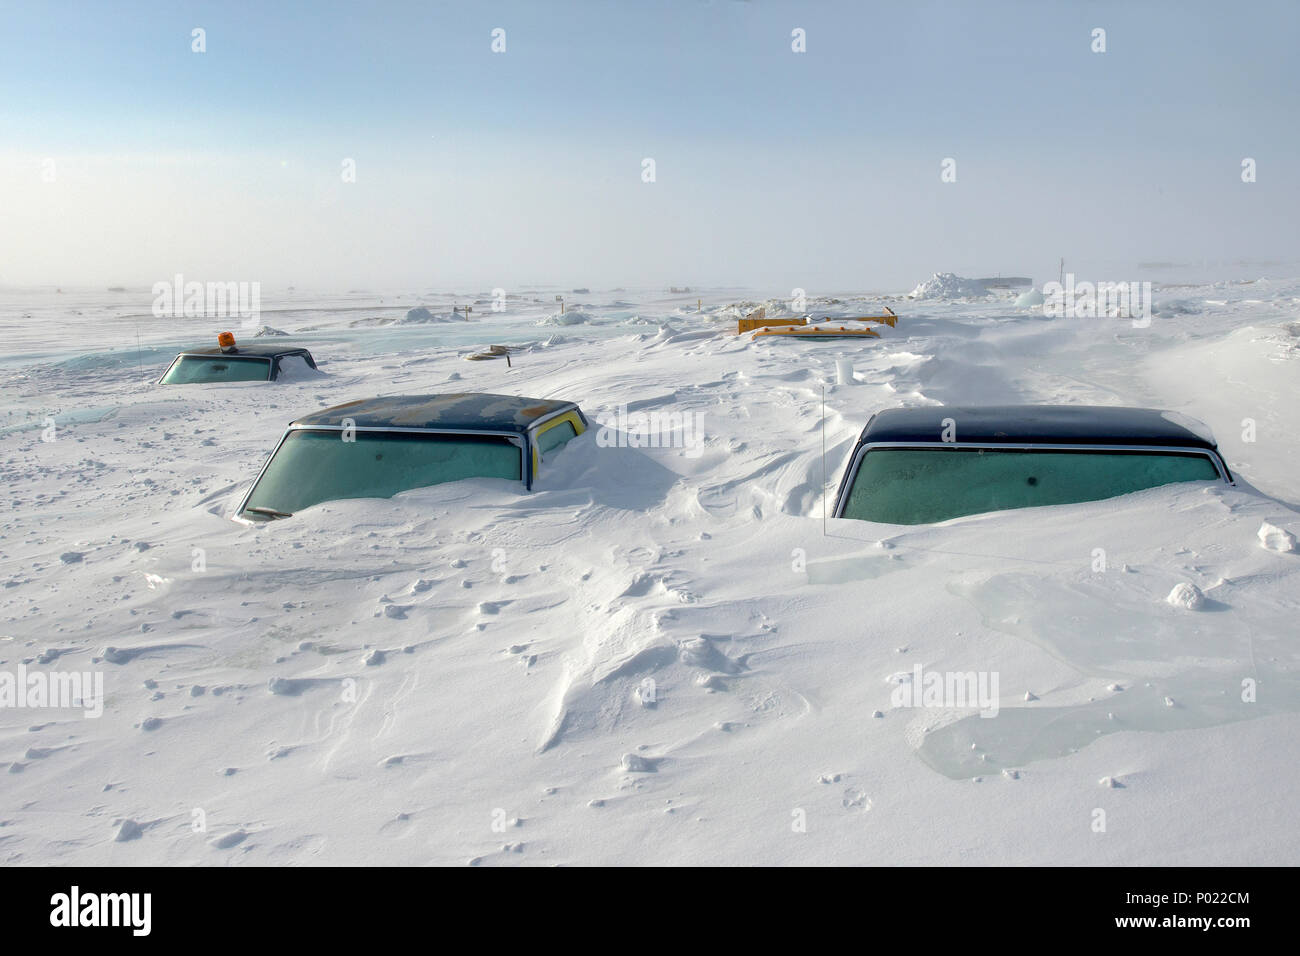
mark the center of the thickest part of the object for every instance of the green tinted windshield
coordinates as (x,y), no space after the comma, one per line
(314,466)
(197,369)
(919,486)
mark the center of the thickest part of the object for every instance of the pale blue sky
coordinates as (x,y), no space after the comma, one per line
(476,169)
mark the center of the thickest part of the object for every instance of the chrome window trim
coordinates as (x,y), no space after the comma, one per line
(537,423)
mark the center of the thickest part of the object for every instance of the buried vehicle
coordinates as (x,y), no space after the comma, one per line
(227,362)
(379,447)
(923,465)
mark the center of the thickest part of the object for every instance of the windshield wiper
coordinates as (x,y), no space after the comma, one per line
(270,512)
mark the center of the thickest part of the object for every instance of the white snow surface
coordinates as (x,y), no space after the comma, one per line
(659,655)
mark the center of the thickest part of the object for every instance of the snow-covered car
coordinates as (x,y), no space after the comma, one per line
(924,465)
(380,447)
(228,362)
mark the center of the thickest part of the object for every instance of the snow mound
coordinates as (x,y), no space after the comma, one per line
(267,330)
(295,368)
(948,285)
(1273,538)
(1027,300)
(1193,425)
(420,315)
(1187,596)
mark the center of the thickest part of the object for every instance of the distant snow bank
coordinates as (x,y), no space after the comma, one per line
(949,285)
(572,317)
(420,315)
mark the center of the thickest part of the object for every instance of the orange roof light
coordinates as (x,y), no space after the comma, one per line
(226,340)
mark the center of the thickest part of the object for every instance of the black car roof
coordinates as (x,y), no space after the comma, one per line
(460,411)
(1038,424)
(251,351)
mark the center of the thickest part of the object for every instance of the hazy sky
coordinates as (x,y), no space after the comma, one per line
(773,168)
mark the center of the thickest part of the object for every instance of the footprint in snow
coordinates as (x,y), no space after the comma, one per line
(129,830)
(226,841)
(124,655)
(855,799)
(293,686)
(40,753)
(634,763)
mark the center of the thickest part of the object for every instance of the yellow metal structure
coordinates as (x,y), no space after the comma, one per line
(757,320)
(890,318)
(817,332)
(749,325)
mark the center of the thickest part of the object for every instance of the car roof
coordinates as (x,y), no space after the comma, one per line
(459,411)
(250,351)
(1039,424)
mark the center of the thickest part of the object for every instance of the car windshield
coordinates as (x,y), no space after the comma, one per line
(198,369)
(312,466)
(924,485)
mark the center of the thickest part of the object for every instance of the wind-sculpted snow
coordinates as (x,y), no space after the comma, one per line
(663,653)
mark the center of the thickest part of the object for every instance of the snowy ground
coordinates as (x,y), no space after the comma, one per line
(458,675)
